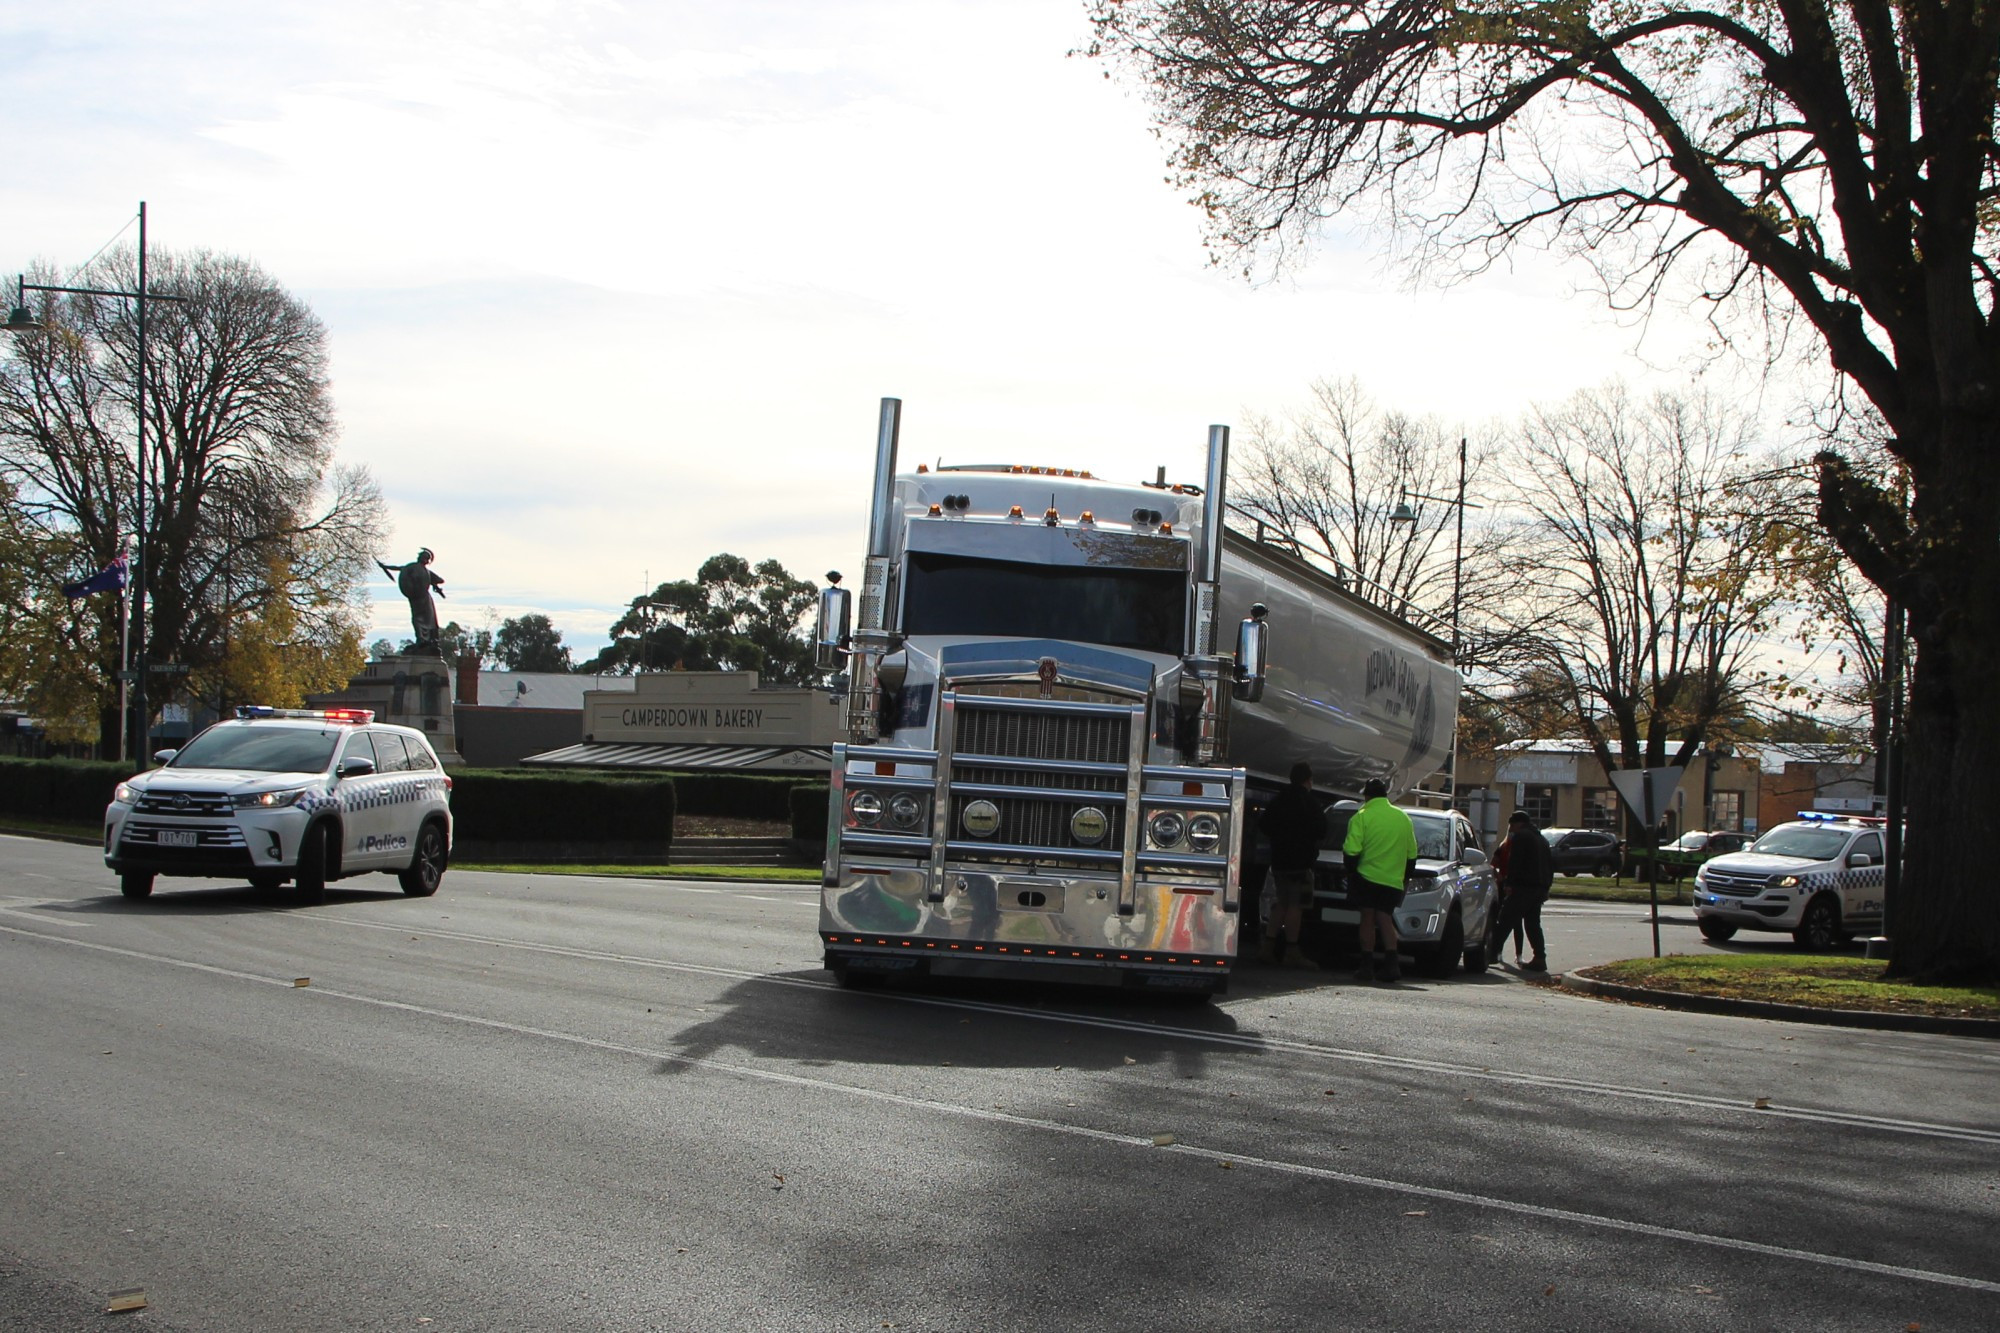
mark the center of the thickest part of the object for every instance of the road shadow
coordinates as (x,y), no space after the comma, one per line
(976,1024)
(207,898)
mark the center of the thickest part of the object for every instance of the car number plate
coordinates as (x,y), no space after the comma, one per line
(179,838)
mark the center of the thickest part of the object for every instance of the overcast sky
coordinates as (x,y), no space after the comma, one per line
(612,287)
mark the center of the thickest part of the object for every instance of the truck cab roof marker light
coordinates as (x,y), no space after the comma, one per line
(937,511)
(1166,529)
(1014,512)
(1051,517)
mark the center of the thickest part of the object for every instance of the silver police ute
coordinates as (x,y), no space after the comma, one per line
(304,795)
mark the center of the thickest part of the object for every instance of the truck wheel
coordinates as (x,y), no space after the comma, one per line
(427,865)
(1717,931)
(1819,928)
(136,883)
(312,865)
(1441,961)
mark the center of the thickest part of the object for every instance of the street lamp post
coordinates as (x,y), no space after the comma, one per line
(1406,515)
(21,320)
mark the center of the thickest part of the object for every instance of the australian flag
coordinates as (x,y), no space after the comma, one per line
(108,579)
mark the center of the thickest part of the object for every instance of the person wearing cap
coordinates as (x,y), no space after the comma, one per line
(1295,825)
(1531,869)
(1381,850)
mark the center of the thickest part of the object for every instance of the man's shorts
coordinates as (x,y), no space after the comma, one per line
(1377,897)
(1291,890)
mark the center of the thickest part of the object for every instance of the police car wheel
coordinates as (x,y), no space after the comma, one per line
(136,883)
(1717,931)
(1475,959)
(427,865)
(312,865)
(266,880)
(1819,928)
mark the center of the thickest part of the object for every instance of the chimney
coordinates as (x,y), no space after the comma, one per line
(468,679)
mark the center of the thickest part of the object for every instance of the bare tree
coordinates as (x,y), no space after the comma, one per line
(1331,478)
(254,539)
(1641,561)
(1824,165)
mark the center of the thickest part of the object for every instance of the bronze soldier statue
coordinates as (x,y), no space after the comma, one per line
(416,581)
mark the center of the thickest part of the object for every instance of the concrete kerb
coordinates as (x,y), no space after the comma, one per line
(1582,982)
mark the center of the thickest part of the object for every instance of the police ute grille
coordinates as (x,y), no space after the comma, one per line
(1736,886)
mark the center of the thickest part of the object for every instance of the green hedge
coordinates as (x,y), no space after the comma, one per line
(544,805)
(71,791)
(809,811)
(743,795)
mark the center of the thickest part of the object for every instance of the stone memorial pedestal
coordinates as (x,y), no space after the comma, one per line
(409,690)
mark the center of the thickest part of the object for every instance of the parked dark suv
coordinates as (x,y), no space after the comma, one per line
(1584,851)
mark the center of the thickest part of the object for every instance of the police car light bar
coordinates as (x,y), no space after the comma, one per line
(351,715)
(1838,817)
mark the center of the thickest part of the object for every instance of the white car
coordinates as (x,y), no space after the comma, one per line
(1819,877)
(1447,903)
(286,794)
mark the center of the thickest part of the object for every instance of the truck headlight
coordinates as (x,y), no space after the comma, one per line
(981,818)
(865,808)
(125,794)
(1166,828)
(906,811)
(1204,832)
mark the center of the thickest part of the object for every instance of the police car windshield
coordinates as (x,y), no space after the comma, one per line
(1433,835)
(1808,842)
(261,749)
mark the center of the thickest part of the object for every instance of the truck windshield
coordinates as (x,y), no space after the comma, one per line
(260,749)
(1144,609)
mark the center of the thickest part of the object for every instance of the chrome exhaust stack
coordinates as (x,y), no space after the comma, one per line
(874,636)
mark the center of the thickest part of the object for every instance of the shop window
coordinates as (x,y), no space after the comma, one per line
(1726,811)
(1600,808)
(1540,803)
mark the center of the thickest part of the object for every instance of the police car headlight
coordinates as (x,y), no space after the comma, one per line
(1784,881)
(1204,832)
(270,800)
(1167,828)
(865,808)
(906,811)
(125,793)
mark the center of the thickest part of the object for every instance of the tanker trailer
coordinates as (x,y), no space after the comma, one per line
(1048,765)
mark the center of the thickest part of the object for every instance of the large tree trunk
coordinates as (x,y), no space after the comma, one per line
(1946,920)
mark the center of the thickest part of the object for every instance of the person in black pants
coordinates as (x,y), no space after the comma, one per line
(1295,823)
(1530,871)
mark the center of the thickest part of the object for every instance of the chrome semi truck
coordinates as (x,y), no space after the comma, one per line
(1050,766)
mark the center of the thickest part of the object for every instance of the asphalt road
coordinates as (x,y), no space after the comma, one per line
(544,1104)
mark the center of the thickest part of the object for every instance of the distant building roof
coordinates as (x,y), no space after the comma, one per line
(542,689)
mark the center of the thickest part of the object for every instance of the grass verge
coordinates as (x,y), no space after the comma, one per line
(762,874)
(1816,982)
(41,828)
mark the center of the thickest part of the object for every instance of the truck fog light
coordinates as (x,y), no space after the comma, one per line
(905,810)
(865,807)
(1166,828)
(1088,825)
(981,819)
(1204,832)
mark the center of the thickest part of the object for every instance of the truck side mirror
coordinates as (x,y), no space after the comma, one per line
(1251,646)
(830,637)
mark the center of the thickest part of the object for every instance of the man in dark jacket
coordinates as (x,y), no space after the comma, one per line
(1531,869)
(1295,825)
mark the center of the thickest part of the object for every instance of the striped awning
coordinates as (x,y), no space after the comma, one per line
(627,754)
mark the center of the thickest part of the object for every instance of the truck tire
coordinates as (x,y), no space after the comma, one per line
(426,869)
(136,883)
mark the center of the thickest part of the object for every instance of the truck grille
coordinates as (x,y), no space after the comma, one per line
(1058,735)
(1096,739)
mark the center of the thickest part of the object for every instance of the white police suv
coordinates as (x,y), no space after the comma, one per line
(286,794)
(1819,877)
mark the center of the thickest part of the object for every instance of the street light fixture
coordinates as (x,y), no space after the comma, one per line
(21,320)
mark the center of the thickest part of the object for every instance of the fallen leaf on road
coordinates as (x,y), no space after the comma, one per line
(132,1298)
(1549,1290)
(298,982)
(1162,1140)
(1130,1061)
(1227,1165)
(1416,1213)
(1761,1104)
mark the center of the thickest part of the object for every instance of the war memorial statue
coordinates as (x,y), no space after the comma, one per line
(416,581)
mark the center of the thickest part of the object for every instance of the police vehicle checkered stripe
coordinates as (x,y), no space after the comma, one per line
(376,795)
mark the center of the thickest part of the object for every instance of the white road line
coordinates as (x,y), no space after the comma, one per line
(1570,1216)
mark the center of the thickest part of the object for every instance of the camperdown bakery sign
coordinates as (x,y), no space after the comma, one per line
(710,708)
